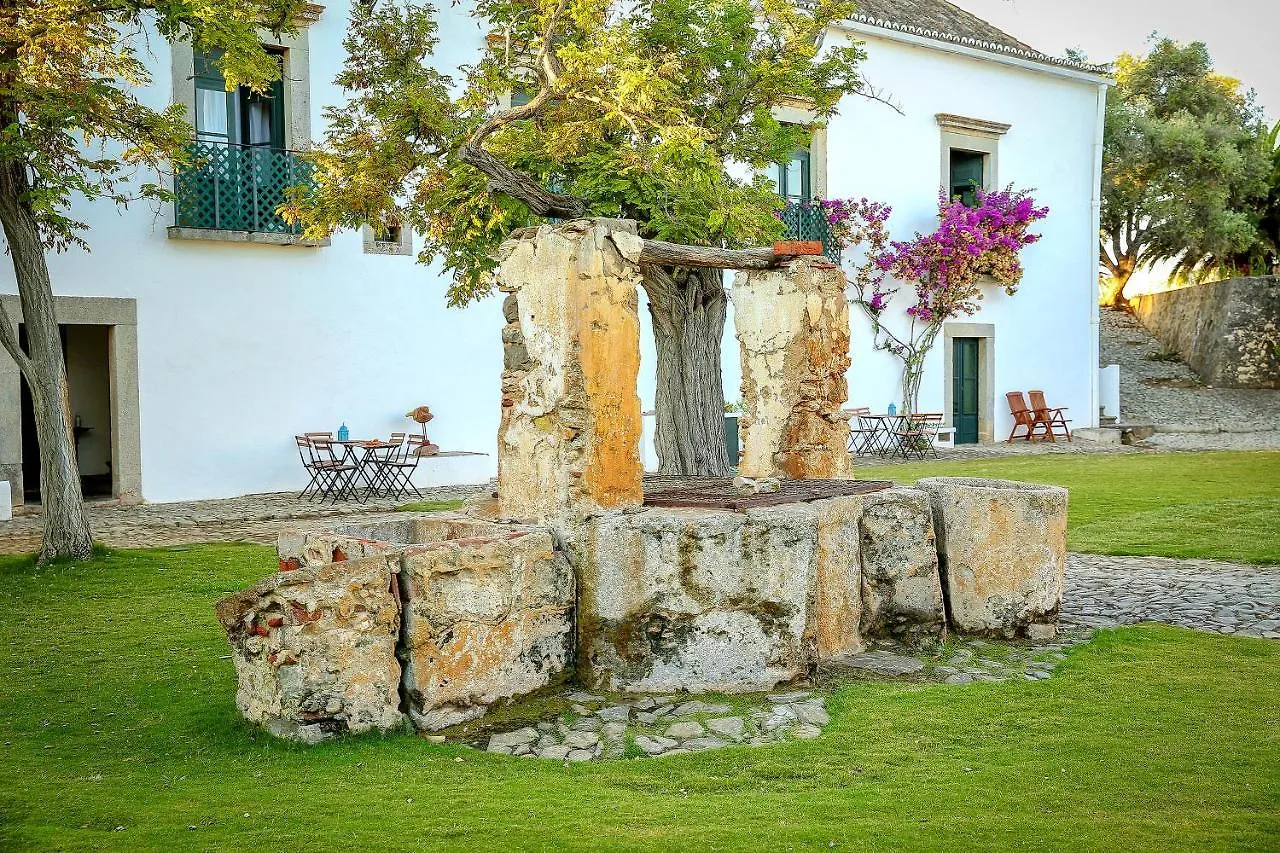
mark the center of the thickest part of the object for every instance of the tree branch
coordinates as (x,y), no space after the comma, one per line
(10,342)
(678,255)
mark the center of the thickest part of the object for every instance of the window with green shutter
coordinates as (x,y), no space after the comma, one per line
(968,175)
(793,177)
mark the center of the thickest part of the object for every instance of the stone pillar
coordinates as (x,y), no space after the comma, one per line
(569,440)
(793,327)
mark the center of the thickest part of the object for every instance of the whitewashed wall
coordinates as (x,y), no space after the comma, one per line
(1046,335)
(242,346)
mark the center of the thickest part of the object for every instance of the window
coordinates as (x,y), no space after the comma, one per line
(239,117)
(967,175)
(520,96)
(391,240)
(793,178)
(970,149)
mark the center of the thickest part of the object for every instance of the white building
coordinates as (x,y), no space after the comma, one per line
(200,340)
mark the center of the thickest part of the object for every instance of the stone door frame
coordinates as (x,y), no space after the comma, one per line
(986,335)
(121,315)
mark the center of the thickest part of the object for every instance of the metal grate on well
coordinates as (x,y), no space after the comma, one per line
(719,493)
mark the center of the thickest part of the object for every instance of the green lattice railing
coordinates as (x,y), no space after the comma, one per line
(230,187)
(808,221)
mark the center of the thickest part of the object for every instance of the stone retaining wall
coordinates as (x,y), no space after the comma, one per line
(1227,331)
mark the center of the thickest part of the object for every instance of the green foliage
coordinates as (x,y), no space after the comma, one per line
(1183,168)
(119,732)
(69,109)
(654,111)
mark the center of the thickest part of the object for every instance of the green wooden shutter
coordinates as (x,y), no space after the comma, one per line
(215,115)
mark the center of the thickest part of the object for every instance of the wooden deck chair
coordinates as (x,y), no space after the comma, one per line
(1054,419)
(1023,417)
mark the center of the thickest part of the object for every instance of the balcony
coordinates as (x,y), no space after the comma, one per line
(806,220)
(230,192)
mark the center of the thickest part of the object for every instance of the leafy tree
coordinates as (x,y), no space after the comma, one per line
(1181,165)
(74,128)
(654,110)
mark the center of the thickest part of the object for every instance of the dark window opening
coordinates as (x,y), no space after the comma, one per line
(968,175)
(793,178)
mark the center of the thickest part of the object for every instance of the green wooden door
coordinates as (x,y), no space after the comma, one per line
(964,391)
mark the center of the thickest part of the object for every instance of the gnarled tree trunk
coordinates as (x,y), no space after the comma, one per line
(66,530)
(688,307)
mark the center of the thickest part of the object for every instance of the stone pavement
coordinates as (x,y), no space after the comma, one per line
(249,518)
(1209,595)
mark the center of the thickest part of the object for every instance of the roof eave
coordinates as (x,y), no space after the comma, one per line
(977,49)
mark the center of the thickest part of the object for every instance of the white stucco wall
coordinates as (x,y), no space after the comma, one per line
(1044,335)
(241,346)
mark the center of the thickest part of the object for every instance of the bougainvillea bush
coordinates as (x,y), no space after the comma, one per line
(946,268)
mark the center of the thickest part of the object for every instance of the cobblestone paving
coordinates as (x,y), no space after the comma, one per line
(1168,395)
(250,518)
(1209,595)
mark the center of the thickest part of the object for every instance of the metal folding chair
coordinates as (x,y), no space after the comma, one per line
(861,437)
(337,476)
(399,467)
(917,434)
(304,453)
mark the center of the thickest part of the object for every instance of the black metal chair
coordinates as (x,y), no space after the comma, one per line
(337,476)
(399,467)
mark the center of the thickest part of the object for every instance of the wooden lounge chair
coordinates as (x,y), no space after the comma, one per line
(1054,419)
(1023,417)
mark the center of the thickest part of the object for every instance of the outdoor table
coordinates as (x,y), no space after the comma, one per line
(366,460)
(884,438)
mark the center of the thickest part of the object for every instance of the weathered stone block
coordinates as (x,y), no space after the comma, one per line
(485,620)
(792,325)
(700,600)
(315,649)
(569,438)
(1003,547)
(901,588)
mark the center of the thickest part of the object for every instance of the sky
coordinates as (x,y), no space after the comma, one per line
(1243,36)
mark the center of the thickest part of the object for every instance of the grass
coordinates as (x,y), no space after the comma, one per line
(118,731)
(1209,505)
(431,506)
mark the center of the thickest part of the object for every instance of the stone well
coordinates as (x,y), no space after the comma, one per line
(434,618)
(1003,548)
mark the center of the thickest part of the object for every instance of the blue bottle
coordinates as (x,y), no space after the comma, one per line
(343,433)
(893,409)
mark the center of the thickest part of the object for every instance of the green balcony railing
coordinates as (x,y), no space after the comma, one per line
(228,187)
(806,220)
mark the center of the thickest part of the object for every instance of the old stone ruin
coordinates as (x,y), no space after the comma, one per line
(575,572)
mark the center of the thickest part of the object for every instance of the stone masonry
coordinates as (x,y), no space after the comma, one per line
(1003,551)
(436,618)
(793,329)
(1228,331)
(569,438)
(700,600)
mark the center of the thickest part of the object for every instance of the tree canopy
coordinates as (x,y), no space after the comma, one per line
(661,111)
(1183,167)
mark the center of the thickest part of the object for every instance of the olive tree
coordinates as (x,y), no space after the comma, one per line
(658,111)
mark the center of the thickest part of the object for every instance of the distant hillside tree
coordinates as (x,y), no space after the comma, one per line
(1183,169)
(659,111)
(74,128)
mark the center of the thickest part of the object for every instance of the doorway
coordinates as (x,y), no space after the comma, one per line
(86,351)
(965,392)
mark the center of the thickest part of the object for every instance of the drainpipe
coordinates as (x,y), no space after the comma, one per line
(1095,213)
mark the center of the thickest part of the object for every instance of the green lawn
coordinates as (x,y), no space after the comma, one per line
(117,711)
(1223,505)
